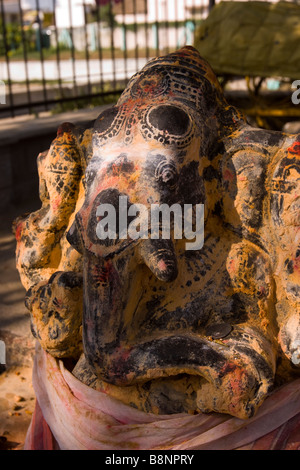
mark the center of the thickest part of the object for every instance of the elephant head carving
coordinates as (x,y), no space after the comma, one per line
(159,326)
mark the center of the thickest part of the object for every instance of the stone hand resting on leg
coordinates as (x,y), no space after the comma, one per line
(49,267)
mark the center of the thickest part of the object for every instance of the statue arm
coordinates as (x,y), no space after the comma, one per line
(50,269)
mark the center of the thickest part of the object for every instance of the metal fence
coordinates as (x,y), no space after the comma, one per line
(62,54)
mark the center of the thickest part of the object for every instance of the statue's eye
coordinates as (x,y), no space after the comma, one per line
(166,173)
(89,177)
(105,120)
(170,119)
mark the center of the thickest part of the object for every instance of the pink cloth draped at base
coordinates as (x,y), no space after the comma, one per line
(72,416)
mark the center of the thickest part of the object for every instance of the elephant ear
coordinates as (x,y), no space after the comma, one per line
(42,248)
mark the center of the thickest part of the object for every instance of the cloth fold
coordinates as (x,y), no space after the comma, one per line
(72,416)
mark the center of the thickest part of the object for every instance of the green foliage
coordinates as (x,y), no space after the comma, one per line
(106,15)
(15,38)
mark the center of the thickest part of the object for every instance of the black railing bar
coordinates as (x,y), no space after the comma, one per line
(192,11)
(72,46)
(112,42)
(25,56)
(37,4)
(125,40)
(167,32)
(135,34)
(99,42)
(185,20)
(176,24)
(147,29)
(157,28)
(211,4)
(57,47)
(87,55)
(11,101)
(194,15)
(66,99)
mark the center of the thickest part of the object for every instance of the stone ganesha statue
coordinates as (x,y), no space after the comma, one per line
(159,327)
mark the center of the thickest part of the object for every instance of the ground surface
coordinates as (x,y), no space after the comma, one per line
(17,398)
